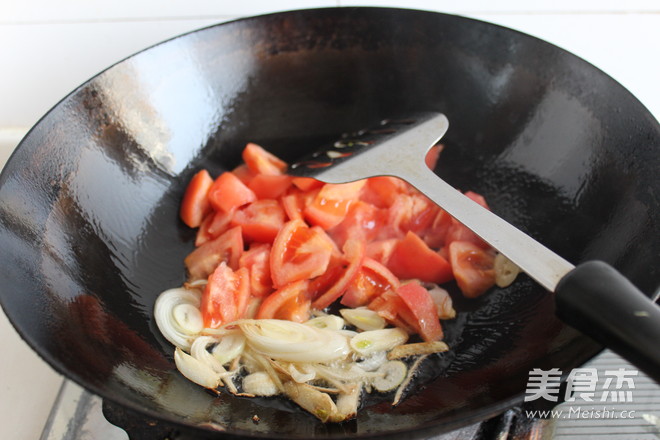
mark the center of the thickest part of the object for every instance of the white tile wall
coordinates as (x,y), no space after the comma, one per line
(48,47)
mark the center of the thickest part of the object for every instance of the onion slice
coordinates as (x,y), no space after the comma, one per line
(178,317)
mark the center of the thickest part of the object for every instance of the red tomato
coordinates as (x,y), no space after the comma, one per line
(339,276)
(286,301)
(299,252)
(260,220)
(412,258)
(381,250)
(227,247)
(473,267)
(260,161)
(257,261)
(363,221)
(424,310)
(228,193)
(331,204)
(216,223)
(225,296)
(372,280)
(266,186)
(243,173)
(435,236)
(390,306)
(195,204)
(307,183)
(381,191)
(411,212)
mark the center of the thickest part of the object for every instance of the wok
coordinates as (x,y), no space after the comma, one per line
(88,214)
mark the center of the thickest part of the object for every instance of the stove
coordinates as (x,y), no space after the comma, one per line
(630,414)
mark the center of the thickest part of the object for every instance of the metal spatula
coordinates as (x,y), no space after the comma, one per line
(592,297)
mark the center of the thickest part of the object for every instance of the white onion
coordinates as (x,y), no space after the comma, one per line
(293,342)
(506,271)
(363,318)
(392,375)
(199,351)
(195,370)
(259,384)
(373,361)
(330,322)
(371,341)
(229,347)
(303,376)
(442,301)
(178,317)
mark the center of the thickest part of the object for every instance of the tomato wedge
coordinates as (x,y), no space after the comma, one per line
(331,204)
(331,285)
(424,310)
(285,302)
(257,260)
(195,204)
(473,267)
(372,280)
(216,223)
(412,259)
(225,297)
(267,186)
(204,259)
(363,221)
(228,192)
(299,252)
(260,161)
(260,221)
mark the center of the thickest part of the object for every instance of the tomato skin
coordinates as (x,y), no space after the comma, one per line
(260,161)
(363,221)
(283,301)
(228,193)
(266,186)
(354,250)
(331,204)
(299,252)
(424,310)
(228,247)
(216,223)
(257,260)
(225,296)
(473,267)
(195,204)
(260,220)
(412,259)
(371,281)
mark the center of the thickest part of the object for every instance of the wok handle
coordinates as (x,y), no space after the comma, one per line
(597,300)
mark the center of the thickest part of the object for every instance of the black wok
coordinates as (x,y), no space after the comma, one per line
(89,233)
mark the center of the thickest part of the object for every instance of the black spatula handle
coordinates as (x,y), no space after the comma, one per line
(600,302)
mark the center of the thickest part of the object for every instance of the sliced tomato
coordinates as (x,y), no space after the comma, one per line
(340,275)
(228,193)
(295,201)
(424,311)
(381,250)
(331,204)
(285,302)
(257,260)
(244,174)
(458,232)
(267,186)
(204,259)
(260,161)
(307,183)
(299,252)
(411,212)
(473,267)
(260,220)
(390,306)
(195,204)
(216,223)
(381,191)
(225,296)
(371,281)
(436,235)
(363,220)
(412,258)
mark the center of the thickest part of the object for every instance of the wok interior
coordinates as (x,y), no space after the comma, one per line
(90,231)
